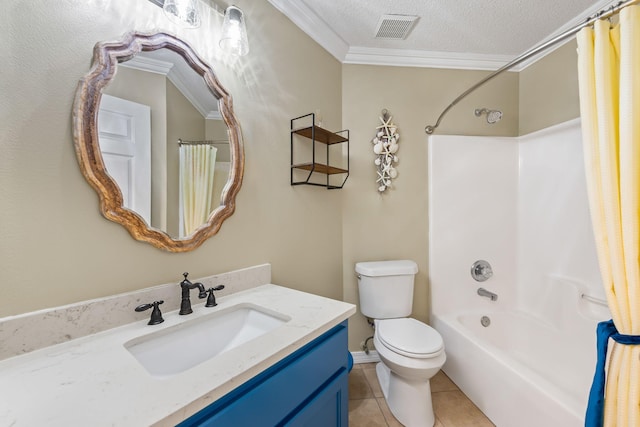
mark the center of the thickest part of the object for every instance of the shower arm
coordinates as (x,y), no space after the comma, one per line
(603,14)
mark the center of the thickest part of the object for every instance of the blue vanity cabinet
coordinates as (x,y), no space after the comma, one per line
(307,388)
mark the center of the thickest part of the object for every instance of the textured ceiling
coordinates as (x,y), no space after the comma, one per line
(487,27)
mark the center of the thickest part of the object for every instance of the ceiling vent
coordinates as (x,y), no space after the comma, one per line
(395,27)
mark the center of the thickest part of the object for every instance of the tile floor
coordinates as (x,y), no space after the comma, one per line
(367,407)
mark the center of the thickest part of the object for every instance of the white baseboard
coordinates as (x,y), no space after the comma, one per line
(362,357)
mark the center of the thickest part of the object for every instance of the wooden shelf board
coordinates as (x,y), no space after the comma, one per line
(321,135)
(320,168)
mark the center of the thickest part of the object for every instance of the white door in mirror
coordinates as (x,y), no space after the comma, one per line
(124,131)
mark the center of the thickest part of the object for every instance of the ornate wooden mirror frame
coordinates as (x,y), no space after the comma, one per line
(106,56)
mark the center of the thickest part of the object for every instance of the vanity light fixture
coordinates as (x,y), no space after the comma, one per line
(234,32)
(182,12)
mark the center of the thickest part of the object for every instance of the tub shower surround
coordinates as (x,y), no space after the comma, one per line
(521,204)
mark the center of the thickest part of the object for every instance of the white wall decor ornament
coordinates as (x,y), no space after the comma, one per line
(385,146)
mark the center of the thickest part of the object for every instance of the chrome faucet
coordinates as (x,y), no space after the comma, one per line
(186,285)
(485,293)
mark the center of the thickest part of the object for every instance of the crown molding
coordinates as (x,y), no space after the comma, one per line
(309,22)
(179,80)
(423,58)
(213,115)
(176,76)
(316,28)
(148,64)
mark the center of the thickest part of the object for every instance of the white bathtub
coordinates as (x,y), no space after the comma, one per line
(520,204)
(519,371)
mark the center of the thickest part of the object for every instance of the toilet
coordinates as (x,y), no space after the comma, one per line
(410,351)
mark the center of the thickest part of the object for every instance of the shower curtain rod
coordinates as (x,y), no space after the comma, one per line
(207,141)
(603,14)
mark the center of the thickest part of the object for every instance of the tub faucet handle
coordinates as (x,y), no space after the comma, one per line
(481,271)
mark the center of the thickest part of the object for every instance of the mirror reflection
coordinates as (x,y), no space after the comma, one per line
(164,142)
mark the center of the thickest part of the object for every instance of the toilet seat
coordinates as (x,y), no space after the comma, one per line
(409,337)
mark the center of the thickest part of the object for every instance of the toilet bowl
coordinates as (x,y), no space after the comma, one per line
(406,368)
(411,352)
(411,347)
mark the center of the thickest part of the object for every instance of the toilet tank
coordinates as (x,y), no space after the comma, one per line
(386,288)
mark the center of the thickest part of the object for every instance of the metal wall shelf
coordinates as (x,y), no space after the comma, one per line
(317,134)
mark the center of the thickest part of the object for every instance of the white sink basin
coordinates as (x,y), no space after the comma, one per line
(178,348)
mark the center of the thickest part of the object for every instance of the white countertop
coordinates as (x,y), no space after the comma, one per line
(94,381)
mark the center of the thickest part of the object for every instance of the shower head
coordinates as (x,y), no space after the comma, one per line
(493,116)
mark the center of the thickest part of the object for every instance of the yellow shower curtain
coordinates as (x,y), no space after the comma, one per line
(197,164)
(609,79)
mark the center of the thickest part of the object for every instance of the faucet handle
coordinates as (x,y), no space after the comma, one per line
(185,281)
(211,300)
(156,314)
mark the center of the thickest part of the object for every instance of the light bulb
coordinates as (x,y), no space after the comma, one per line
(182,12)
(234,32)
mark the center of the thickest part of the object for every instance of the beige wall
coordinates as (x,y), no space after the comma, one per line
(216,130)
(56,248)
(394,225)
(549,90)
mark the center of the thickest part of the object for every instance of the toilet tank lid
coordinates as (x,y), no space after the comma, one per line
(386,268)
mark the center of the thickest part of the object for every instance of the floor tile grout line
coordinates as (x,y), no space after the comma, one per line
(381,412)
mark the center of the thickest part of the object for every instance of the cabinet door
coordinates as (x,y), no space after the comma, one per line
(283,392)
(329,408)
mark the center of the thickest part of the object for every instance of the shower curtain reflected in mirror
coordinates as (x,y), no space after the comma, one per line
(197,166)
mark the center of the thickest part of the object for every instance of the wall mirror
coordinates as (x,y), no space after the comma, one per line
(156,137)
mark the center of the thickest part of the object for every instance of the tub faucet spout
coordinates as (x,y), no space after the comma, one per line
(485,293)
